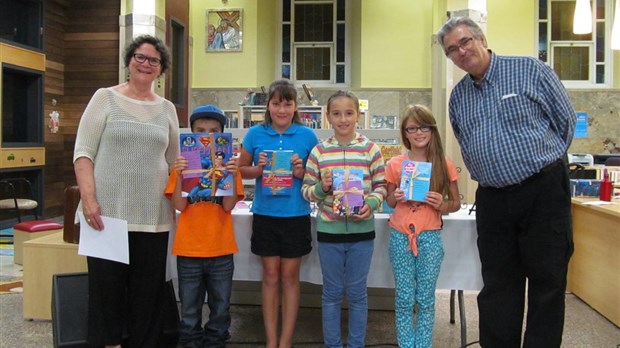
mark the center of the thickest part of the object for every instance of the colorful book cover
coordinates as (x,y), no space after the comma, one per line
(207,155)
(348,185)
(278,173)
(415,180)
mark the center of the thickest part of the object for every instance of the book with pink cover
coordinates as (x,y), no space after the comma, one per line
(207,155)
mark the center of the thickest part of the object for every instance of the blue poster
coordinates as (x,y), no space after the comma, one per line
(581,128)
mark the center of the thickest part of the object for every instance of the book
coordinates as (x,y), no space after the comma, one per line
(415,180)
(278,173)
(348,187)
(207,155)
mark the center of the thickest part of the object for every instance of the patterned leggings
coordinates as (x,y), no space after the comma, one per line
(415,278)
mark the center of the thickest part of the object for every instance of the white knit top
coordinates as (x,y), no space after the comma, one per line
(132,144)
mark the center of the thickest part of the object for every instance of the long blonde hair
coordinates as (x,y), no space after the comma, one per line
(423,116)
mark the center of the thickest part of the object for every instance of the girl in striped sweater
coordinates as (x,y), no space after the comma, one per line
(345,242)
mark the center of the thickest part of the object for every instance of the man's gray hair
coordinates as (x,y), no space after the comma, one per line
(455,22)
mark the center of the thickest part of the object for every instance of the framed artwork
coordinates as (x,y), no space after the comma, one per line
(224,30)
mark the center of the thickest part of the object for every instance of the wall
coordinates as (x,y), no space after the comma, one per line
(396,44)
(81,47)
(252,67)
(511,27)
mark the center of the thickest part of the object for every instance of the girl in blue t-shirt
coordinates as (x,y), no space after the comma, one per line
(281,223)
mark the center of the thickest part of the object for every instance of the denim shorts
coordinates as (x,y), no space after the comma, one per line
(287,237)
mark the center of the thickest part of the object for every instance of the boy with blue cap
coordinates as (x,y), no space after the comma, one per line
(204,245)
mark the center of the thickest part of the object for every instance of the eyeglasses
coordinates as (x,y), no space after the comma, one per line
(413,130)
(464,44)
(141,58)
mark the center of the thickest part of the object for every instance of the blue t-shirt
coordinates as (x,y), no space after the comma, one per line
(298,138)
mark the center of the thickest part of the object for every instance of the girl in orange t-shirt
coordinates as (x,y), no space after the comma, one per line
(416,249)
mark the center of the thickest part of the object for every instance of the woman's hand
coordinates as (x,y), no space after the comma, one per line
(92,213)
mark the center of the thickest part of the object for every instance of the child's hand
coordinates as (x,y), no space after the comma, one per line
(180,164)
(434,199)
(399,195)
(365,212)
(326,180)
(262,159)
(232,165)
(298,166)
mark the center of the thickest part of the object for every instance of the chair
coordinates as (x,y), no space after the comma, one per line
(16,195)
(613,161)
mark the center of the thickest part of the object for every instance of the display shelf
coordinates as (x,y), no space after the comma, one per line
(311,116)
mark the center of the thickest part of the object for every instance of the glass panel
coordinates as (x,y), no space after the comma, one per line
(22,107)
(542,41)
(313,63)
(600,41)
(340,73)
(600,9)
(600,73)
(562,22)
(314,23)
(572,63)
(286,43)
(286,71)
(286,10)
(542,9)
(177,75)
(340,43)
(21,22)
(340,16)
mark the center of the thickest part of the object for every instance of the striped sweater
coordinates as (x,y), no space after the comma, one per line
(360,153)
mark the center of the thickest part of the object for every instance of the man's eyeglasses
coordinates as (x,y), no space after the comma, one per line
(464,44)
(141,58)
(413,130)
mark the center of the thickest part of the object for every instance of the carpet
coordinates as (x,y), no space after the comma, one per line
(11,287)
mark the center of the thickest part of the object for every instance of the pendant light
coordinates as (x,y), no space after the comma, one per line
(615,32)
(582,20)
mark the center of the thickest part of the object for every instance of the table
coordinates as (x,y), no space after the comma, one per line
(460,268)
(44,257)
(593,269)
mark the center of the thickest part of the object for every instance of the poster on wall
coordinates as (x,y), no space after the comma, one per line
(581,127)
(224,30)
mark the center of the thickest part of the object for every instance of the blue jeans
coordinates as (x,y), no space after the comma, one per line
(345,269)
(197,275)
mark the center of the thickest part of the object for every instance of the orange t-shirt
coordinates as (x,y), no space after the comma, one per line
(204,229)
(421,215)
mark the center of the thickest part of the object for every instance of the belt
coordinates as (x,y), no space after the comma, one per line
(533,177)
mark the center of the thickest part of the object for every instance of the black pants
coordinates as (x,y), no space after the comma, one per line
(130,297)
(524,233)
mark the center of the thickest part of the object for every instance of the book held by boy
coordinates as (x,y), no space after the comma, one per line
(278,173)
(348,187)
(207,155)
(415,180)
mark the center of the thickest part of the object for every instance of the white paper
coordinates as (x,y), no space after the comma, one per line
(598,203)
(111,243)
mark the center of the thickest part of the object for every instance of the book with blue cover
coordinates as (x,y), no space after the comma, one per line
(278,173)
(348,188)
(415,180)
(207,155)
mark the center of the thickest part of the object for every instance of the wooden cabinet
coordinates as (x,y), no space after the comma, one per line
(22,157)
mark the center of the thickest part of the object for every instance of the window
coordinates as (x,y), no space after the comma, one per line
(314,42)
(579,60)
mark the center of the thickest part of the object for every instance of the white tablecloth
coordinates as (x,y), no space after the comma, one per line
(460,268)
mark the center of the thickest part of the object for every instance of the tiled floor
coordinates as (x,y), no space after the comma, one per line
(584,327)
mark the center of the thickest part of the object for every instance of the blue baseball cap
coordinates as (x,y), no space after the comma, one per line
(208,111)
